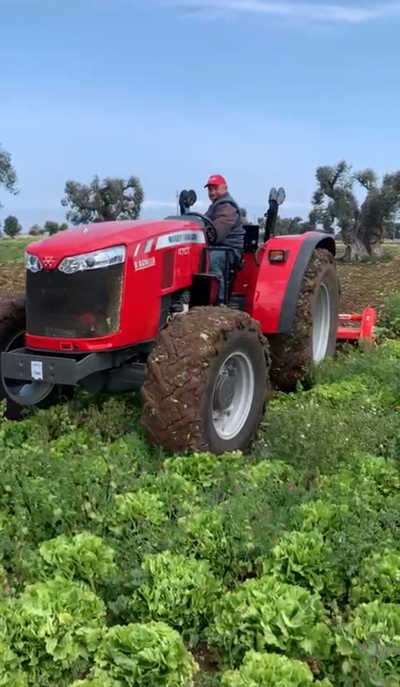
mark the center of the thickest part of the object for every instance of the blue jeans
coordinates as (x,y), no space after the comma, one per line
(217,267)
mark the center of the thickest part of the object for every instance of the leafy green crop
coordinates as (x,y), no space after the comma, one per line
(369,646)
(306,559)
(84,557)
(53,630)
(178,590)
(267,614)
(142,655)
(271,670)
(379,578)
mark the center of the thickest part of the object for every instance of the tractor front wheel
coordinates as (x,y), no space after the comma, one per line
(314,334)
(207,382)
(16,393)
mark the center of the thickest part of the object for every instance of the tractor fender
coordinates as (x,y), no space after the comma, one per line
(276,294)
(312,240)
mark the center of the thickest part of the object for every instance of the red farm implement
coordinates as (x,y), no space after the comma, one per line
(356,327)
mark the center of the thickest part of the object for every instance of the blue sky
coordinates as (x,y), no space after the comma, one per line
(174,90)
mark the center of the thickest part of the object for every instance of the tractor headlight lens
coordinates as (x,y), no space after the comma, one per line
(94,260)
(32,263)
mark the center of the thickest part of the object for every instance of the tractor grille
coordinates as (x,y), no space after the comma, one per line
(82,305)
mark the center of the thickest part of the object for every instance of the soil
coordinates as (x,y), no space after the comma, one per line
(367,284)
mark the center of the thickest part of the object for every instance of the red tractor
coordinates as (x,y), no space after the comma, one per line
(121,306)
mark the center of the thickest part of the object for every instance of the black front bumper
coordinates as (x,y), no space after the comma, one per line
(26,366)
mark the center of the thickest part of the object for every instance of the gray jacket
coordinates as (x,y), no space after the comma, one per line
(226,216)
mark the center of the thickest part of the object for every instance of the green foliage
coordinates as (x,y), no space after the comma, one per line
(378,578)
(269,615)
(11,226)
(142,655)
(389,324)
(178,590)
(12,250)
(53,630)
(8,176)
(369,646)
(103,200)
(273,552)
(83,557)
(138,517)
(306,559)
(216,536)
(271,670)
(52,228)
(205,470)
(36,230)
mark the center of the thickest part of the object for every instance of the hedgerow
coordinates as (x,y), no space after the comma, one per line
(121,566)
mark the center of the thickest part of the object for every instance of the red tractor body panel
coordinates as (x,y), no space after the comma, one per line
(265,303)
(272,286)
(161,257)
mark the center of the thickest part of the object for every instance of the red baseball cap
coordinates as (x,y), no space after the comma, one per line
(215,180)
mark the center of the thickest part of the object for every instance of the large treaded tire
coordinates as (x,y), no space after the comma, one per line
(182,369)
(13,323)
(292,354)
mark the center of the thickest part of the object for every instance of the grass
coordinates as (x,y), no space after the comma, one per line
(12,250)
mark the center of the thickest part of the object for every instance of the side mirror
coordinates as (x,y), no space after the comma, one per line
(277,196)
(186,200)
(275,199)
(280,196)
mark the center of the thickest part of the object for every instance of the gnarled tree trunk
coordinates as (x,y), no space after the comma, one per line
(374,240)
(352,237)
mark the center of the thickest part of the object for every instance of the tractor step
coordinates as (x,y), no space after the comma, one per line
(357,327)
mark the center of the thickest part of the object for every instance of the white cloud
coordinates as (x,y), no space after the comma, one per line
(317,12)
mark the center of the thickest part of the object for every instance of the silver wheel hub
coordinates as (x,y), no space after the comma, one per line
(224,392)
(233,395)
(321,324)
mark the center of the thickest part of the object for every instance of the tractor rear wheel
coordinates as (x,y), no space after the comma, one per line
(207,382)
(314,333)
(19,394)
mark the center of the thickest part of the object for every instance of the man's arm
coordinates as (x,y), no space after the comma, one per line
(225,219)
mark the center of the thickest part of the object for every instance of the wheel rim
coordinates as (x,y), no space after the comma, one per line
(233,395)
(24,393)
(321,324)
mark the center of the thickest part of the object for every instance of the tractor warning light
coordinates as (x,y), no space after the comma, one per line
(277,256)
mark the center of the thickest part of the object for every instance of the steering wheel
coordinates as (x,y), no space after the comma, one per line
(210,230)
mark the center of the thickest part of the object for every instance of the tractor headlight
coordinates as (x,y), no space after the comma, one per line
(94,260)
(32,263)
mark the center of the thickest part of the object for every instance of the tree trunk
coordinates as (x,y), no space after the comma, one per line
(374,240)
(356,249)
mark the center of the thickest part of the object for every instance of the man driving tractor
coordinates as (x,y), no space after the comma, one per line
(226,216)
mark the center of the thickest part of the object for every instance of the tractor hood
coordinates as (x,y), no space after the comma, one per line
(93,237)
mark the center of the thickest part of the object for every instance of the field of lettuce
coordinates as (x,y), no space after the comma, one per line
(125,567)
